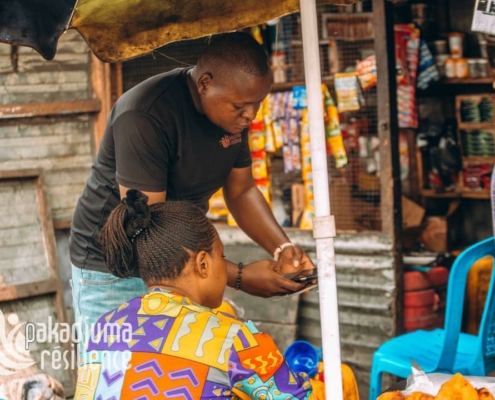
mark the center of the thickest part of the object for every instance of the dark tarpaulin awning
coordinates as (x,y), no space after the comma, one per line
(118,30)
(35,23)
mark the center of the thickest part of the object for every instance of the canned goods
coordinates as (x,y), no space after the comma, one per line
(461,68)
(473,68)
(450,68)
(482,67)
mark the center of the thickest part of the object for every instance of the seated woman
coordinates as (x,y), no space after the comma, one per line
(170,343)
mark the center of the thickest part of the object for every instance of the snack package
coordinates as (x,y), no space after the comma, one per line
(401,59)
(277,114)
(427,69)
(217,207)
(348,94)
(259,165)
(265,189)
(299,98)
(406,105)
(256,139)
(307,218)
(269,133)
(410,37)
(367,75)
(333,133)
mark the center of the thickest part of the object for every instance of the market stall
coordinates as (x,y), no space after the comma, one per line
(368,250)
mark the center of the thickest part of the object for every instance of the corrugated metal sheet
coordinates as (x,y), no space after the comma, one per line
(366,293)
(60,145)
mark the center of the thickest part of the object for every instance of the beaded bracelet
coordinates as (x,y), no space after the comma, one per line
(239,275)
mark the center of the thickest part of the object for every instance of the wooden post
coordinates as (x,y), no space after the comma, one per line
(388,132)
(100,78)
(117,81)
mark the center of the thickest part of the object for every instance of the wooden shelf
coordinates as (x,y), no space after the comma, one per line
(490,80)
(465,194)
(473,126)
(281,87)
(478,160)
(476,194)
(434,194)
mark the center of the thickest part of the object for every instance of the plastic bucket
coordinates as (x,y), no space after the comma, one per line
(302,356)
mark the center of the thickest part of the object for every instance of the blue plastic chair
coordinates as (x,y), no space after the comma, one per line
(445,350)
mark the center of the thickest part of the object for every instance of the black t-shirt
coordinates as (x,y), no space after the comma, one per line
(155,141)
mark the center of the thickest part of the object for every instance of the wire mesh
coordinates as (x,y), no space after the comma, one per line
(346,37)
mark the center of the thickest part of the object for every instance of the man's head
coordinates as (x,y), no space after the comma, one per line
(232,77)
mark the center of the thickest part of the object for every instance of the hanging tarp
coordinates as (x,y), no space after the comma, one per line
(118,30)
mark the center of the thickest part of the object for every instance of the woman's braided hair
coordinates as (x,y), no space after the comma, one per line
(151,241)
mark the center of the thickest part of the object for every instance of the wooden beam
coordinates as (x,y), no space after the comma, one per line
(117,81)
(20,174)
(61,224)
(57,108)
(388,133)
(101,81)
(31,289)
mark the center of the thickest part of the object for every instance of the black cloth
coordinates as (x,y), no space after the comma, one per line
(35,23)
(155,141)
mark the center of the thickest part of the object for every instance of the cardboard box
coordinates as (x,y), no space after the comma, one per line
(434,235)
(412,213)
(298,202)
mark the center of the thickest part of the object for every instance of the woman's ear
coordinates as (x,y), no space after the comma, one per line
(204,82)
(203,262)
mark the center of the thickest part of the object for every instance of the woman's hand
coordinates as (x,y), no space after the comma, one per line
(262,279)
(293,259)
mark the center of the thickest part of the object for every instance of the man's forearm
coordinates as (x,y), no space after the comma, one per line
(254,216)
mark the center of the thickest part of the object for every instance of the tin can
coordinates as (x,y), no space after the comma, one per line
(482,67)
(473,68)
(450,70)
(461,68)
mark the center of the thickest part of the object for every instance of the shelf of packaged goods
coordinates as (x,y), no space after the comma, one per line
(473,126)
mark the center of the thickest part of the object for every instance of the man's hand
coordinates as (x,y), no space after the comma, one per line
(261,279)
(293,259)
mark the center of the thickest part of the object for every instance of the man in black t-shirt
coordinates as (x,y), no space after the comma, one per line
(182,135)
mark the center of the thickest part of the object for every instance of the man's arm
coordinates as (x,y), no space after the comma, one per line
(251,211)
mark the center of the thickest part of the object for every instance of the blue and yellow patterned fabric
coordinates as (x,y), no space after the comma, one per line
(162,345)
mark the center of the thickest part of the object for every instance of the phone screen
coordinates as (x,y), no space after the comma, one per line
(307,275)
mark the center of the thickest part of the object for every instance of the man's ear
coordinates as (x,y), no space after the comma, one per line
(204,82)
(202,266)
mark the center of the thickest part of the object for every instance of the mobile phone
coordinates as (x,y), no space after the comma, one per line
(307,275)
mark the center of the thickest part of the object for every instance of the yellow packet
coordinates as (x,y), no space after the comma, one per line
(260,170)
(217,206)
(231,220)
(256,141)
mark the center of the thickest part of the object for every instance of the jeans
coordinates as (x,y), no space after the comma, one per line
(95,293)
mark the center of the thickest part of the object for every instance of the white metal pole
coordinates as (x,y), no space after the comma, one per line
(324,223)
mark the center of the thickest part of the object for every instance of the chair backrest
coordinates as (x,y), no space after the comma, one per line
(486,333)
(456,290)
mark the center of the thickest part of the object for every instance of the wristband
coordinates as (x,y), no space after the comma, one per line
(280,248)
(239,276)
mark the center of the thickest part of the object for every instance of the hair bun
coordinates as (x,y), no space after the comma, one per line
(138,212)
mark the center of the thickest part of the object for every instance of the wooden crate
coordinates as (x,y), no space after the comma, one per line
(30,288)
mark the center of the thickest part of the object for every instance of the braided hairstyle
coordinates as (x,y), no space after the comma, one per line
(152,241)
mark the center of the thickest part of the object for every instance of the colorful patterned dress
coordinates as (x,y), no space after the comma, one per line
(162,345)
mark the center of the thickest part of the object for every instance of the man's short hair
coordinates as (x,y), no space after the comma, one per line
(237,50)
